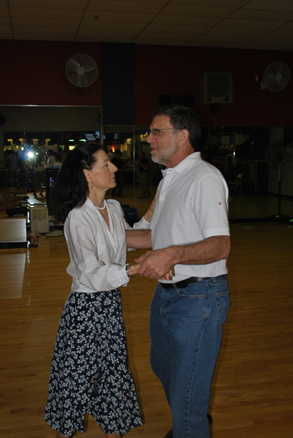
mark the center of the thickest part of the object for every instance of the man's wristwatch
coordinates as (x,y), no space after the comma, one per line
(127,266)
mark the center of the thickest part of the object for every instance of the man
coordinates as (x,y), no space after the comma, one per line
(189,231)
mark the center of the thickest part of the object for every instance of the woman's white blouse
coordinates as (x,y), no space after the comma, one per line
(97,253)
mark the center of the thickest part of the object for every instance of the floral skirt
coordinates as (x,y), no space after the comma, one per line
(89,371)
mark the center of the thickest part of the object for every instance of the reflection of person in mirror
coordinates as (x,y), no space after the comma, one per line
(143,165)
(11,163)
(111,154)
(39,179)
(119,162)
(50,158)
(189,231)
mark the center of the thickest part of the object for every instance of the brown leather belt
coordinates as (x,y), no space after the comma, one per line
(183,283)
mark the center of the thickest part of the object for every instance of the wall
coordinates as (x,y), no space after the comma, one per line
(33,73)
(177,70)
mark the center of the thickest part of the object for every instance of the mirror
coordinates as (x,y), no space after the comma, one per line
(255,161)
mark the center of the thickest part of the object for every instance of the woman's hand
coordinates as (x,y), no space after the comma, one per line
(133,269)
(169,276)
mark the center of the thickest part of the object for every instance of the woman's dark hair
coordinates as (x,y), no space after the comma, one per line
(71,187)
(182,117)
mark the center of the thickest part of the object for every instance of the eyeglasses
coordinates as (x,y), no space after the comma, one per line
(157,131)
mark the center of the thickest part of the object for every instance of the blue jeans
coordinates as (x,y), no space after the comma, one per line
(186,332)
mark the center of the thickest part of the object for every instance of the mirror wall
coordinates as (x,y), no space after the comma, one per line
(257,162)
(38,128)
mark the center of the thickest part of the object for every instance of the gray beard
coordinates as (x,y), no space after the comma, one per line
(165,157)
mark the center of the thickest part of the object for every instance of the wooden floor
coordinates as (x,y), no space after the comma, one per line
(252,390)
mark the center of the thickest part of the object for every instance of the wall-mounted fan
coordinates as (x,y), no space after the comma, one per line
(81,70)
(276,76)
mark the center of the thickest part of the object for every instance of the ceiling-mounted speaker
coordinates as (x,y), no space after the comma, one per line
(216,87)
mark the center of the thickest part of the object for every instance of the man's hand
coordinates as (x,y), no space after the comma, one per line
(156,264)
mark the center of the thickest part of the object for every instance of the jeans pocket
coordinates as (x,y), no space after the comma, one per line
(223,305)
(193,290)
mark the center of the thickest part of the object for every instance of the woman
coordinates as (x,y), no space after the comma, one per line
(89,372)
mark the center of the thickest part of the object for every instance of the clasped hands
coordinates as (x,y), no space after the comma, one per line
(154,265)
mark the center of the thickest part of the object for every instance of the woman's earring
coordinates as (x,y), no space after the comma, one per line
(90,187)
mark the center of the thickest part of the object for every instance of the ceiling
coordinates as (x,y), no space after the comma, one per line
(245,24)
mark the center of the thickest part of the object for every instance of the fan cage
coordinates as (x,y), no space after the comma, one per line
(276,76)
(81,70)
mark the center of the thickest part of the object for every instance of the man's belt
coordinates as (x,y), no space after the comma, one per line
(183,283)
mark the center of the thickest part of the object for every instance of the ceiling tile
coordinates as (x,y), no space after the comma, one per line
(225,39)
(48,31)
(286,28)
(231,23)
(5,30)
(250,14)
(142,7)
(105,26)
(102,39)
(178,30)
(43,24)
(93,3)
(44,37)
(212,3)
(251,33)
(188,21)
(50,4)
(4,21)
(279,36)
(218,44)
(119,17)
(57,14)
(270,5)
(4,12)
(162,41)
(113,33)
(164,36)
(5,36)
(199,11)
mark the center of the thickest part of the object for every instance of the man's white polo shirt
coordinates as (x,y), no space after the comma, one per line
(191,205)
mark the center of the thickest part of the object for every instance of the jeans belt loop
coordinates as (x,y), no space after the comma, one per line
(184,283)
